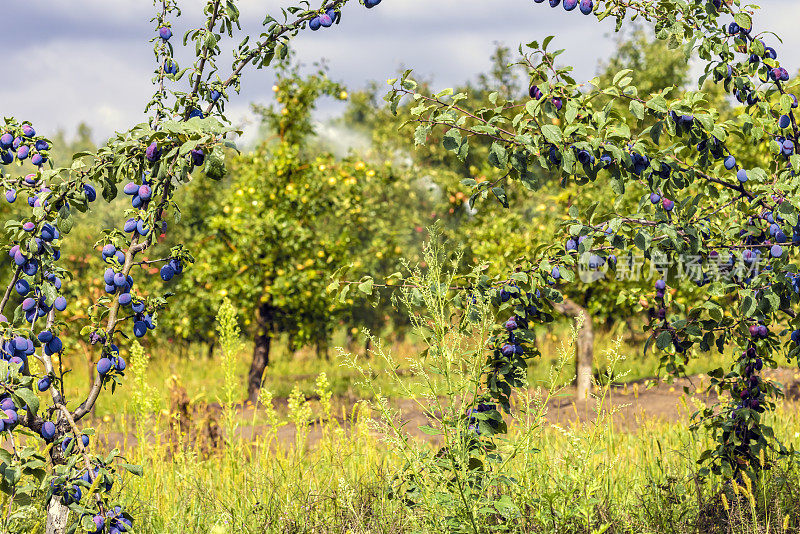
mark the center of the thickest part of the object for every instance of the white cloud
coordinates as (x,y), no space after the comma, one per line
(89,84)
(90,60)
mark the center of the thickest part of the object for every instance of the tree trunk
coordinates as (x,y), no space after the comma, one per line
(584,350)
(322,350)
(57,515)
(261,347)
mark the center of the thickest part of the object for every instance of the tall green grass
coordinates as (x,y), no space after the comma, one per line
(580,477)
(204,378)
(311,458)
(318,466)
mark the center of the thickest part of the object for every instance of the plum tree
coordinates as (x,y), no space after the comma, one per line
(183,137)
(704,213)
(667,148)
(506,238)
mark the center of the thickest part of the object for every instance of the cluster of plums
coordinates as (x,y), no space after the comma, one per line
(511,346)
(325,20)
(171,67)
(758,331)
(586,6)
(594,261)
(17,349)
(661,288)
(713,146)
(171,269)
(114,521)
(70,491)
(140,194)
(9,413)
(681,346)
(111,362)
(536,93)
(22,144)
(639,163)
(769,238)
(748,394)
(29,255)
(748,391)
(748,94)
(33,284)
(116,283)
(153,153)
(666,203)
(766,232)
(331,16)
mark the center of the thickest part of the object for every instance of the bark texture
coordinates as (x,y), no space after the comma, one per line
(263,340)
(57,515)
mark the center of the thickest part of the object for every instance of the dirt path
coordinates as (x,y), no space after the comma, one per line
(633,403)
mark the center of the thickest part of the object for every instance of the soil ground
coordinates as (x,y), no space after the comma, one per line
(633,404)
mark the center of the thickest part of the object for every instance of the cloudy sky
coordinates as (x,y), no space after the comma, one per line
(90,60)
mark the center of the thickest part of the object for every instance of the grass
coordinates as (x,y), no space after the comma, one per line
(580,478)
(203,380)
(315,461)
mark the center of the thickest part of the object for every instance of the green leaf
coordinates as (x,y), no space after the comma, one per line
(658,103)
(572,112)
(748,306)
(343,294)
(215,164)
(451,139)
(88,524)
(663,340)
(655,131)
(498,157)
(366,286)
(637,108)
(786,103)
(621,74)
(743,20)
(770,302)
(11,474)
(65,224)
(133,469)
(421,134)
(500,194)
(552,133)
(642,240)
(29,398)
(531,107)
